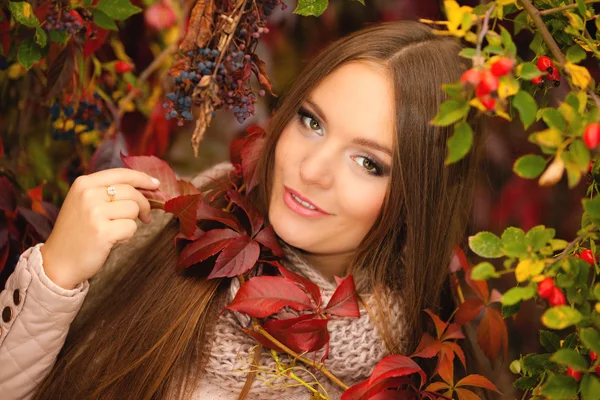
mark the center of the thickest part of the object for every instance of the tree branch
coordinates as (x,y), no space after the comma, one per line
(567,7)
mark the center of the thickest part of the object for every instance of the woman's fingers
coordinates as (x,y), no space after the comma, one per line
(116,176)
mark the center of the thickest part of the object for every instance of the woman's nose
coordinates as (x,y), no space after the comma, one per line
(317,168)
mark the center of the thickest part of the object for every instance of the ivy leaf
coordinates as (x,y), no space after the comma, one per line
(478,381)
(209,244)
(23,13)
(459,143)
(344,302)
(117,9)
(254,216)
(305,333)
(238,256)
(395,366)
(561,317)
(450,112)
(267,238)
(529,166)
(206,211)
(29,52)
(492,334)
(527,106)
(104,21)
(486,244)
(311,7)
(468,310)
(159,169)
(570,358)
(306,284)
(261,74)
(185,209)
(262,296)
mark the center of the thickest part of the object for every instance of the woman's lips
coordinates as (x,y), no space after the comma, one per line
(299,208)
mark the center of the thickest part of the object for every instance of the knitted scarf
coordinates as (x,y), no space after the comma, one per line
(355,345)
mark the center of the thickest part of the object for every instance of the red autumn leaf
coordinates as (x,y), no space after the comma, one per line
(254,216)
(206,211)
(8,195)
(263,340)
(180,236)
(158,169)
(267,238)
(477,380)
(306,333)
(210,243)
(344,302)
(265,295)
(250,155)
(236,258)
(394,366)
(480,287)
(40,223)
(453,332)
(464,394)
(306,284)
(428,347)
(252,133)
(456,349)
(261,74)
(468,310)
(186,187)
(440,326)
(185,209)
(492,334)
(437,386)
(91,45)
(365,391)
(445,368)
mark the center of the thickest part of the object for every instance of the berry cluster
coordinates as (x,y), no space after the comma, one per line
(61,20)
(81,119)
(546,65)
(220,72)
(486,82)
(548,291)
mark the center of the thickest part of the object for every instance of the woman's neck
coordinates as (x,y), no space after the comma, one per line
(329,265)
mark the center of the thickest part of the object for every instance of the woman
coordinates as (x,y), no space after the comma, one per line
(353,181)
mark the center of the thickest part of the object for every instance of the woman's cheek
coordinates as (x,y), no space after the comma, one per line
(363,201)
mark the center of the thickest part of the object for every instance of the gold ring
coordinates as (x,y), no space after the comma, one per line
(111,192)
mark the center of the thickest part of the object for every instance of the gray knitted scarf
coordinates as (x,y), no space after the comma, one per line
(355,345)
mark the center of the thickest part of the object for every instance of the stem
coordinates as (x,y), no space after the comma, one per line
(316,365)
(534,13)
(484,28)
(571,244)
(567,7)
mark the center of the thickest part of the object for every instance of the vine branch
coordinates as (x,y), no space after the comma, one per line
(567,7)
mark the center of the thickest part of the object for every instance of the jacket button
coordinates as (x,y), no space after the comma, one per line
(6,314)
(16,297)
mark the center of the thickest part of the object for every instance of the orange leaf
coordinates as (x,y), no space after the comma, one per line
(440,326)
(428,347)
(492,334)
(477,380)
(453,332)
(468,310)
(437,386)
(446,370)
(464,394)
(458,350)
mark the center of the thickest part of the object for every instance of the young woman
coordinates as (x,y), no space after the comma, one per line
(352,181)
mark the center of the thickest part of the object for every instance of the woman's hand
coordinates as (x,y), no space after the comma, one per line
(89,224)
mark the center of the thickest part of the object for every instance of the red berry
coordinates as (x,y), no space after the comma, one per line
(575,374)
(545,64)
(590,167)
(488,83)
(546,287)
(122,67)
(591,135)
(77,16)
(471,77)
(537,80)
(502,67)
(557,298)
(597,369)
(593,355)
(488,102)
(586,255)
(554,75)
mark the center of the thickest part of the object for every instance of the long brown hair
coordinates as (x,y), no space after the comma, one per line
(147,336)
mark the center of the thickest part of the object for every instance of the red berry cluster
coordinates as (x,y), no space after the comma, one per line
(551,293)
(586,255)
(546,65)
(486,82)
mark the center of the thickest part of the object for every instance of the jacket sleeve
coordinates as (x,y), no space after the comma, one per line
(36,315)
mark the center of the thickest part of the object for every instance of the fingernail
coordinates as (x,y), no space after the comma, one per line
(155,181)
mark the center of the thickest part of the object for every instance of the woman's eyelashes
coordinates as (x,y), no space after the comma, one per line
(369,164)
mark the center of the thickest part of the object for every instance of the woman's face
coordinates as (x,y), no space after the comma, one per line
(333,160)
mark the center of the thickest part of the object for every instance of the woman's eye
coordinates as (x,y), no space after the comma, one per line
(368,165)
(309,121)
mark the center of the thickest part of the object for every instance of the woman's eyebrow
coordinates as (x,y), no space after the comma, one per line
(317,109)
(372,144)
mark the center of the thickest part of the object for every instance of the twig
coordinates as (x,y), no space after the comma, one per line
(482,32)
(571,244)
(567,7)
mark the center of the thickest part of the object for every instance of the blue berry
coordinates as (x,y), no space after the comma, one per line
(215,53)
(173,113)
(187,115)
(244,99)
(68,111)
(172,96)
(183,75)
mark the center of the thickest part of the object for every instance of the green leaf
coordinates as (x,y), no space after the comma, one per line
(570,358)
(581,7)
(513,242)
(536,363)
(570,341)
(104,21)
(459,143)
(549,340)
(528,71)
(539,236)
(561,317)
(576,54)
(23,13)
(526,382)
(590,387)
(117,9)
(361,2)
(527,107)
(467,52)
(529,166)
(560,387)
(592,208)
(597,291)
(484,271)
(59,36)
(40,37)
(520,22)
(507,41)
(517,294)
(486,244)
(581,154)
(311,7)
(558,244)
(453,89)
(29,52)
(450,112)
(509,311)
(554,119)
(591,338)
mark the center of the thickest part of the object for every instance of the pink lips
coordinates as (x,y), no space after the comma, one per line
(299,208)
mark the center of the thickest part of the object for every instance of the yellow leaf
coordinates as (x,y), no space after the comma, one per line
(582,96)
(528,268)
(574,20)
(505,2)
(548,137)
(171,35)
(456,17)
(508,87)
(597,307)
(580,75)
(477,104)
(59,124)
(567,112)
(553,173)
(16,71)
(69,124)
(26,10)
(503,114)
(80,128)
